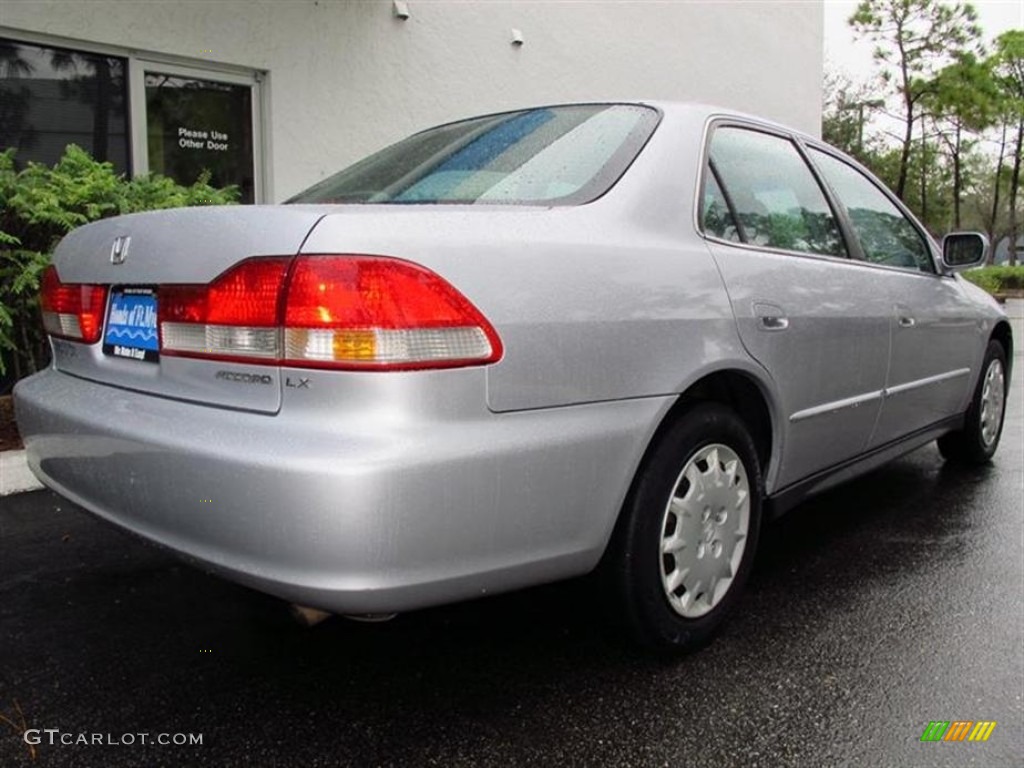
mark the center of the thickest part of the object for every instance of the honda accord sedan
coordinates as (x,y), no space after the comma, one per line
(608,337)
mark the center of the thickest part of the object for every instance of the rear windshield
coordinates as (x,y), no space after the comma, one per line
(551,156)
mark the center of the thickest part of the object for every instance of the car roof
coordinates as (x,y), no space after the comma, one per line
(695,110)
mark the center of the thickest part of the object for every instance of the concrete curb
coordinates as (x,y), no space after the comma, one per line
(15,476)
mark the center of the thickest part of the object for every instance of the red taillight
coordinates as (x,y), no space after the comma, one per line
(247,294)
(235,316)
(330,311)
(72,311)
(374,312)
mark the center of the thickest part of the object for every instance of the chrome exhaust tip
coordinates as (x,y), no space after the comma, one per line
(370,618)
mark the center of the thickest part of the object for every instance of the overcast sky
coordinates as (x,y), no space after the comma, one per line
(994,16)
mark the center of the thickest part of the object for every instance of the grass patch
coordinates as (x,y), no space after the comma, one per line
(997,279)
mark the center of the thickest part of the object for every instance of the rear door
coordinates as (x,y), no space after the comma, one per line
(810,315)
(935,333)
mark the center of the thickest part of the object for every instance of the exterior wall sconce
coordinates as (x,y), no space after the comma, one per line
(517,37)
(400,9)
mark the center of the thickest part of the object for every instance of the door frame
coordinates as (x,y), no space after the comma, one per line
(137,70)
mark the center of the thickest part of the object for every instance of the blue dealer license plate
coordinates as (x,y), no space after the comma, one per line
(131,324)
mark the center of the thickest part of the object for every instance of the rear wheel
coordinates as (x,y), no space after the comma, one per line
(983,422)
(686,543)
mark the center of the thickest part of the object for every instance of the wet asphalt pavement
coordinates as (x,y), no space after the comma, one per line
(885,604)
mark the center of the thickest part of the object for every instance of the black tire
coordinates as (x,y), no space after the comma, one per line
(975,443)
(636,564)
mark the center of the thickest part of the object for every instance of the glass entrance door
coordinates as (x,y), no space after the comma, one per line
(196,123)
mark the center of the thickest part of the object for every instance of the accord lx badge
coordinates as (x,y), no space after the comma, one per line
(119,251)
(244,378)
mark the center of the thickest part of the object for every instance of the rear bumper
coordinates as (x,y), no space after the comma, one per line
(357,510)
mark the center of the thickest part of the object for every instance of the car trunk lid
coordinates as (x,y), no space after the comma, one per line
(130,254)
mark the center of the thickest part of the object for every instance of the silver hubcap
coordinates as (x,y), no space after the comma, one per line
(993,393)
(704,530)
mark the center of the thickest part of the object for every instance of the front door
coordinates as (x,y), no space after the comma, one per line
(934,347)
(934,333)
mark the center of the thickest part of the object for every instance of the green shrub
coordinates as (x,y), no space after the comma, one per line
(39,205)
(997,279)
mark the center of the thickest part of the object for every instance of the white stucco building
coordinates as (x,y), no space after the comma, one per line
(276,94)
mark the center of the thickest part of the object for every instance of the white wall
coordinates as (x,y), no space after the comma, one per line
(346,77)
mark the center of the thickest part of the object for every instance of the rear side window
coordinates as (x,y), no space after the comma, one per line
(774,197)
(551,156)
(718,218)
(885,234)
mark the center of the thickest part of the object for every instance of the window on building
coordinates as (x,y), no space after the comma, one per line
(195,125)
(179,119)
(51,97)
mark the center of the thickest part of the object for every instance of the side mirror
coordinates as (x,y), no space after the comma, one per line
(963,250)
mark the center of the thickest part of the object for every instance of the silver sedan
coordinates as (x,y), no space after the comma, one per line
(510,350)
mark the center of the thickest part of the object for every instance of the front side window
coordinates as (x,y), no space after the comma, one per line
(774,196)
(885,234)
(51,97)
(551,156)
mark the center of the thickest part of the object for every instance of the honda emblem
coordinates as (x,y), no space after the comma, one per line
(119,251)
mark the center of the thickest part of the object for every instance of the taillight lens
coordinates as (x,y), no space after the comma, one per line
(327,312)
(373,312)
(235,316)
(72,311)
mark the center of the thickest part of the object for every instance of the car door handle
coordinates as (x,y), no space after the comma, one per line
(907,322)
(774,323)
(771,317)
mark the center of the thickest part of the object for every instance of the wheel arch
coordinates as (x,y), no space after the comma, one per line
(742,391)
(1004,336)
